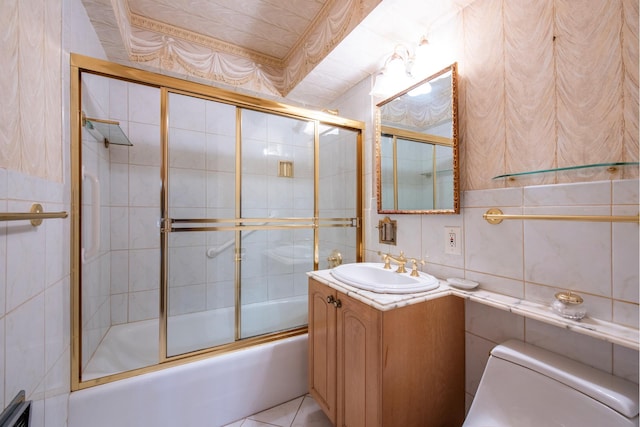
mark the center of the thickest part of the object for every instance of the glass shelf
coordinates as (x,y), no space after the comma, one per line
(595,165)
(106,131)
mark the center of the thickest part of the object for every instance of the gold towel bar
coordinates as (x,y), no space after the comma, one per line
(36,215)
(495,216)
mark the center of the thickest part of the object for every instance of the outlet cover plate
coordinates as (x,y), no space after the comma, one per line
(452,241)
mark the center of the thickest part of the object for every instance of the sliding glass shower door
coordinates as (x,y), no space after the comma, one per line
(277,196)
(198,237)
(201,161)
(249,216)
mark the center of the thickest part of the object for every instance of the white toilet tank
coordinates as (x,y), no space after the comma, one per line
(523,385)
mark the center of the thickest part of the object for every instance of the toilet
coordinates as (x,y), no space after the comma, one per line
(523,385)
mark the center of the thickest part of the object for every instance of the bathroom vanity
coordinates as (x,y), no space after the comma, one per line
(396,365)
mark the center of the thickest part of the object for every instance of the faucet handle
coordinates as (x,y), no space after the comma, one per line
(414,267)
(387,261)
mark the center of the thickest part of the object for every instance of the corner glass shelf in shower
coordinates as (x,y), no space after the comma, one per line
(612,166)
(107,131)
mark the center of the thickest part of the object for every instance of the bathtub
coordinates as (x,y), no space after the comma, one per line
(210,392)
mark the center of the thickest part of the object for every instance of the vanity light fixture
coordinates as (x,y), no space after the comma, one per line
(402,69)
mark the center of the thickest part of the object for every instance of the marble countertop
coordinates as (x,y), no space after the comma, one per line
(607,331)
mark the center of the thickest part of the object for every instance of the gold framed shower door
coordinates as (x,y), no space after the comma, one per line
(82,64)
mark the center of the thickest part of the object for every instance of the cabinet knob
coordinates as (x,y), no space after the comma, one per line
(336,302)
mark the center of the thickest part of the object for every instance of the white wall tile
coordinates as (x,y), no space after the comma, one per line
(491,324)
(118,96)
(119,190)
(569,254)
(493,198)
(187,148)
(57,379)
(144,186)
(187,266)
(57,326)
(144,228)
(187,112)
(280,193)
(144,270)
(187,188)
(590,351)
(222,294)
(120,153)
(626,256)
(146,144)
(144,104)
(477,351)
(119,228)
(220,118)
(119,308)
(25,347)
(501,285)
(626,313)
(144,305)
(626,192)
(254,156)
(56,246)
(584,193)
(221,153)
(254,192)
(493,249)
(119,272)
(187,299)
(25,252)
(626,363)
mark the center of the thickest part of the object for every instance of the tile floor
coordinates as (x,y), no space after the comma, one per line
(300,412)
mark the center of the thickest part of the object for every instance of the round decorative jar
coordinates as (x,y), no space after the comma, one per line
(569,305)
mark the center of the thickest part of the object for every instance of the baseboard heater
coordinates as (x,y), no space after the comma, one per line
(17,413)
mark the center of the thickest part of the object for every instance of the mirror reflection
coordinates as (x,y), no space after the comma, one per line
(417,148)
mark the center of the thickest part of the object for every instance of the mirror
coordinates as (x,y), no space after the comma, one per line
(417,167)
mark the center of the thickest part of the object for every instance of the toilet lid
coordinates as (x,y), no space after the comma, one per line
(617,393)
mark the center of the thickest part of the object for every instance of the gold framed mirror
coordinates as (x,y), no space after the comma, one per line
(417,163)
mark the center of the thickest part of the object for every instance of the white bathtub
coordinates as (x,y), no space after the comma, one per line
(135,345)
(210,392)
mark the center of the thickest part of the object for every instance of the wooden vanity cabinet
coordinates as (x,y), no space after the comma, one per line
(402,367)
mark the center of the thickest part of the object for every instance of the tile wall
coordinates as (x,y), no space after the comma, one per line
(34,298)
(34,262)
(535,259)
(132,223)
(526,259)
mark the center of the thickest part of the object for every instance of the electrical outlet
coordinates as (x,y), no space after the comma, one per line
(452,241)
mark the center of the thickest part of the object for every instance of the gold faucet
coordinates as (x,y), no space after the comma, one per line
(400,260)
(414,265)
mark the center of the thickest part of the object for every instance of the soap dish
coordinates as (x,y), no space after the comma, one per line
(462,283)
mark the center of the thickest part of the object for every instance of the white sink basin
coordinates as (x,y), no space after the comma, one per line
(372,276)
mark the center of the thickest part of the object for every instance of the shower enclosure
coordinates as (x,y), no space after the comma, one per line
(196,214)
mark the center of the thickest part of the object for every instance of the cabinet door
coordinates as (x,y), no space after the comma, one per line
(322,347)
(359,355)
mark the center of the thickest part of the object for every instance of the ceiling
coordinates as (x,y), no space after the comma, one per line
(307,52)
